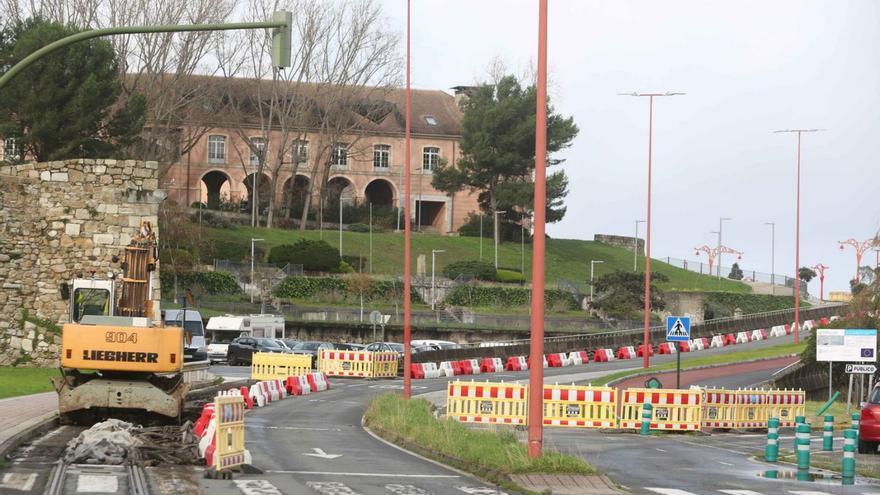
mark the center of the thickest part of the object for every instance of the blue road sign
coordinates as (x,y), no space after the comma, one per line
(678,328)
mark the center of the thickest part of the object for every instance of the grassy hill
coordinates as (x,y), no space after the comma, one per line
(566,259)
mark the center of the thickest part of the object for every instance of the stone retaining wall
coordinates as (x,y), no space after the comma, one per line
(621,241)
(59,221)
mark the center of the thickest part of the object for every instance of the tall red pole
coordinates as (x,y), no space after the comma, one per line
(797,249)
(646,352)
(821,269)
(536,367)
(407,271)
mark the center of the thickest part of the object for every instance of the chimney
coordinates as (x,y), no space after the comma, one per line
(462,93)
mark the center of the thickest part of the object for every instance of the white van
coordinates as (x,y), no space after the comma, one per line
(193,332)
(221,330)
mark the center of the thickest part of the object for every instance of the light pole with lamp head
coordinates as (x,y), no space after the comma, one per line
(772,251)
(720,229)
(593,263)
(797,235)
(636,246)
(497,230)
(433,260)
(253,283)
(647,336)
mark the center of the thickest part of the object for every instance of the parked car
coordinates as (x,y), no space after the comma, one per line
(312,349)
(194,348)
(385,347)
(242,349)
(869,423)
(435,344)
(342,346)
(281,343)
(291,343)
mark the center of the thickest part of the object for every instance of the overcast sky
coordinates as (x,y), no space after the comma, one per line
(748,68)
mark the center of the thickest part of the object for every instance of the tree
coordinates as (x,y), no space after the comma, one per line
(736,272)
(498,151)
(621,294)
(67,104)
(806,274)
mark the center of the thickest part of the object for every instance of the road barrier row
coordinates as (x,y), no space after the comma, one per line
(604,407)
(360,364)
(272,365)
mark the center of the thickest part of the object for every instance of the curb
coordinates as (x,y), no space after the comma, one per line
(28,434)
(703,367)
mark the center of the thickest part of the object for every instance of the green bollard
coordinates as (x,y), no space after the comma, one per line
(849,456)
(798,420)
(802,438)
(647,414)
(771,452)
(828,434)
(855,425)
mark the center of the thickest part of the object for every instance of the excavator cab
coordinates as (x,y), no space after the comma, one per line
(91,297)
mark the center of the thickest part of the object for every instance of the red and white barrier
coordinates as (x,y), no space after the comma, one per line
(603,356)
(545,360)
(684,346)
(578,358)
(292,386)
(516,363)
(431,370)
(743,338)
(778,331)
(729,339)
(417,371)
(465,366)
(557,360)
(809,325)
(626,352)
(759,334)
(717,341)
(666,348)
(245,393)
(641,350)
(475,366)
(697,345)
(318,381)
(446,368)
(491,365)
(589,398)
(257,395)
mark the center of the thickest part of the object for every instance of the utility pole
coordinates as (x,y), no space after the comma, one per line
(636,246)
(253,282)
(772,251)
(720,229)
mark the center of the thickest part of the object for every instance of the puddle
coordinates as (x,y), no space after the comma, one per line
(811,476)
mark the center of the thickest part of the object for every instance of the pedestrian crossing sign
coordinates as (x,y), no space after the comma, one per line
(678,328)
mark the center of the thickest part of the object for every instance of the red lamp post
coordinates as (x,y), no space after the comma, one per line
(407,232)
(860,247)
(797,236)
(647,336)
(713,253)
(820,268)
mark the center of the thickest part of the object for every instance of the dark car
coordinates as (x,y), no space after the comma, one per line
(290,343)
(312,349)
(869,423)
(385,347)
(348,347)
(242,349)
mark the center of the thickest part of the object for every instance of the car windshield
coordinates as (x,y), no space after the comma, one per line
(307,346)
(396,347)
(267,343)
(222,337)
(291,343)
(875,396)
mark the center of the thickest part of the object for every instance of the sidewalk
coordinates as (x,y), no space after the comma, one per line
(18,414)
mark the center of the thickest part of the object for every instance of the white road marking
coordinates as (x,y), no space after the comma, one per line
(323,455)
(406,490)
(380,475)
(331,488)
(725,463)
(257,487)
(97,483)
(806,492)
(19,481)
(740,492)
(659,449)
(669,491)
(305,428)
(480,490)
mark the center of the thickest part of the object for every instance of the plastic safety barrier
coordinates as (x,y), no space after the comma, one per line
(751,410)
(717,341)
(581,407)
(786,405)
(743,338)
(516,363)
(578,358)
(729,339)
(626,352)
(229,450)
(684,346)
(361,364)
(672,409)
(271,365)
(471,402)
(491,365)
(475,366)
(699,344)
(318,382)
(759,334)
(719,408)
(641,350)
(465,367)
(778,331)
(666,348)
(446,368)
(557,360)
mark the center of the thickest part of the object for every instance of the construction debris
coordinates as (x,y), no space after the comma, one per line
(168,445)
(107,442)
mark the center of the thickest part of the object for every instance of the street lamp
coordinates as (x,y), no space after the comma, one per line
(860,248)
(497,230)
(720,227)
(253,284)
(636,246)
(433,260)
(797,235)
(647,336)
(821,269)
(772,251)
(593,263)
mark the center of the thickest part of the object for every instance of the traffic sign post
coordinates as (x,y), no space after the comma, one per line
(678,329)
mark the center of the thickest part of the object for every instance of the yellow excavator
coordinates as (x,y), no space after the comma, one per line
(117,357)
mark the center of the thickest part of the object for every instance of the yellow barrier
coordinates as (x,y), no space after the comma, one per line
(786,405)
(751,410)
(672,409)
(229,435)
(582,407)
(362,364)
(470,402)
(719,408)
(272,365)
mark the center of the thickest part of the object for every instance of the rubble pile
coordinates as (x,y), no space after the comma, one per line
(107,442)
(168,445)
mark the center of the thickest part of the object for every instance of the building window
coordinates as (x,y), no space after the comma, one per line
(10,150)
(339,156)
(258,150)
(216,149)
(381,156)
(430,120)
(299,152)
(430,158)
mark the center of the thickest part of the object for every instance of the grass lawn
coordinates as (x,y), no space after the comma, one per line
(25,381)
(566,259)
(486,453)
(690,360)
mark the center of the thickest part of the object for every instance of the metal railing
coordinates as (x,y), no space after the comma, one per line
(748,275)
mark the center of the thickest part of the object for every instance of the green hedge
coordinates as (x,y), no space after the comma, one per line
(474,295)
(211,283)
(510,276)
(480,270)
(723,304)
(317,288)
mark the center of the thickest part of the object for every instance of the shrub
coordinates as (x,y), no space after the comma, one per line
(474,295)
(358,227)
(342,288)
(481,270)
(343,267)
(317,256)
(723,304)
(212,283)
(510,276)
(179,260)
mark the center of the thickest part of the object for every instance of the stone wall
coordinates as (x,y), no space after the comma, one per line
(59,221)
(621,241)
